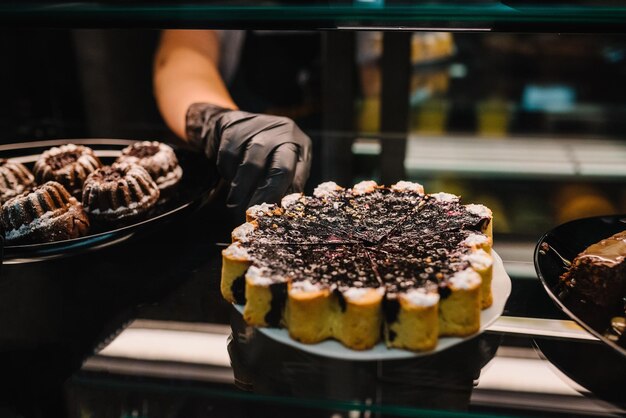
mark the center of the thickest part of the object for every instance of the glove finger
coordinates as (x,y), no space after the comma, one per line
(249,172)
(279,176)
(303,168)
(239,135)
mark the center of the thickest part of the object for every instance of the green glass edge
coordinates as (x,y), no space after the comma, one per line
(419,12)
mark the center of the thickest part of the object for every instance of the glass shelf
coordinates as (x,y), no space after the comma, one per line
(458,16)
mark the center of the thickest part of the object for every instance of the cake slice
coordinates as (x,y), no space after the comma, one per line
(340,297)
(459,308)
(598,274)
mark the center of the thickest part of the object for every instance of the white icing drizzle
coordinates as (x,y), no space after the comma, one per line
(475,240)
(290,199)
(235,250)
(466,279)
(479,259)
(420,297)
(408,186)
(445,197)
(325,189)
(366,186)
(242,231)
(479,210)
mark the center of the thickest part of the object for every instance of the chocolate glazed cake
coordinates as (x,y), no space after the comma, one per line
(68,164)
(48,213)
(15,179)
(598,274)
(158,159)
(348,263)
(119,193)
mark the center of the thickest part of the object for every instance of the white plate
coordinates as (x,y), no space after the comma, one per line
(500,287)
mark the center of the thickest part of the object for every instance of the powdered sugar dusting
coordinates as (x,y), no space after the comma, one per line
(479,210)
(235,250)
(132,207)
(242,231)
(170,178)
(304,286)
(445,197)
(475,240)
(326,189)
(262,276)
(479,259)
(357,293)
(408,186)
(290,199)
(366,186)
(260,210)
(465,279)
(420,297)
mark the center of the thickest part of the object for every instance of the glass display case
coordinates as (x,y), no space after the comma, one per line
(516,105)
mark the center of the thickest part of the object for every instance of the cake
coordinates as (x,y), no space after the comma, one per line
(598,274)
(158,159)
(68,164)
(15,179)
(48,213)
(119,193)
(363,264)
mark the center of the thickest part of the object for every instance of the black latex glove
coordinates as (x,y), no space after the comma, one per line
(263,157)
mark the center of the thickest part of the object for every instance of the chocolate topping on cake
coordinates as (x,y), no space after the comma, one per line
(598,274)
(610,251)
(365,237)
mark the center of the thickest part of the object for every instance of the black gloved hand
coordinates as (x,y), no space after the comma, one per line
(263,157)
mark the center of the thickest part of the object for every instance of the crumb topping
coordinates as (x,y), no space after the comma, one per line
(369,236)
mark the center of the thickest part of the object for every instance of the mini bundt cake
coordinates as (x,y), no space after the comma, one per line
(48,213)
(15,179)
(119,193)
(68,164)
(158,159)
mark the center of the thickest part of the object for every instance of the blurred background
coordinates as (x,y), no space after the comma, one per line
(533,126)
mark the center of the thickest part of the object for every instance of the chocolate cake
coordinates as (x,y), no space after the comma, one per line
(119,193)
(346,263)
(68,164)
(158,159)
(48,213)
(598,274)
(15,179)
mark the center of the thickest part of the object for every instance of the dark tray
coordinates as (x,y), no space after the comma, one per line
(561,245)
(193,191)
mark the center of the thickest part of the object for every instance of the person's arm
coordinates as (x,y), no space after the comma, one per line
(186,72)
(262,157)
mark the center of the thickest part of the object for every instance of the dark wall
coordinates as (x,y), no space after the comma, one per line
(77,83)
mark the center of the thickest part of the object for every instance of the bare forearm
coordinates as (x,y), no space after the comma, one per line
(185,72)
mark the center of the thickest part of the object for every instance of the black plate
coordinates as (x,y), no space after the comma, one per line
(561,245)
(193,191)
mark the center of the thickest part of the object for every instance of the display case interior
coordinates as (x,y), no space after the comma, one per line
(514,105)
